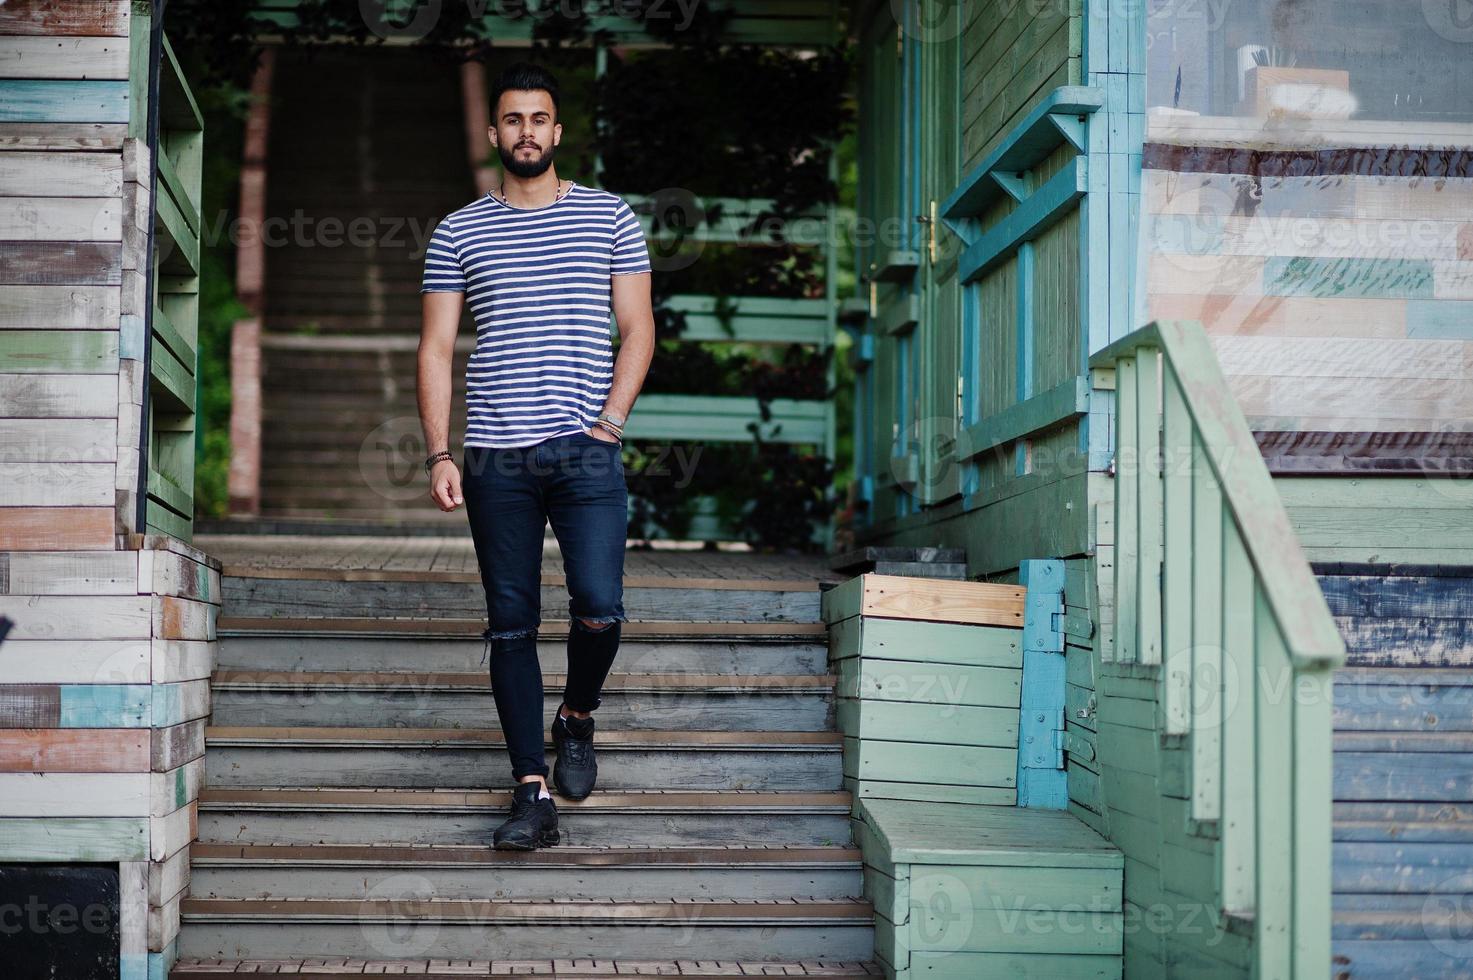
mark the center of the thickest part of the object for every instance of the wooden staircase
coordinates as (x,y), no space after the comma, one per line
(354,774)
(1403,851)
(367,153)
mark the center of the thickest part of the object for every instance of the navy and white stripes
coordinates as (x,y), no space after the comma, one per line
(537,282)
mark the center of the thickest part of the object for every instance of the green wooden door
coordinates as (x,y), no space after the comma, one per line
(941,316)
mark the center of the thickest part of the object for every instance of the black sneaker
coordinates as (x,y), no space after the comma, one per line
(575,770)
(533,821)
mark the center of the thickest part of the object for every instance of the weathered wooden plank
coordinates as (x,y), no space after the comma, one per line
(953,724)
(99,18)
(63,101)
(937,600)
(97,750)
(32,794)
(75,661)
(59,351)
(919,682)
(56,396)
(61,219)
(75,57)
(58,838)
(954,834)
(972,765)
(175,746)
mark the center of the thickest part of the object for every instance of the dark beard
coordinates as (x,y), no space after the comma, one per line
(526,169)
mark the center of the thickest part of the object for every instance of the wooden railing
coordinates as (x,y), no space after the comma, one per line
(1211,585)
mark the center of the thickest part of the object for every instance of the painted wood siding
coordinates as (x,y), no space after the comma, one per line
(1339,300)
(104,676)
(69,373)
(1014,53)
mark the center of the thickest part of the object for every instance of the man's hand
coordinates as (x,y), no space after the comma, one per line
(599,432)
(445,485)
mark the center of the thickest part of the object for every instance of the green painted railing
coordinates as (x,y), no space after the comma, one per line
(1211,585)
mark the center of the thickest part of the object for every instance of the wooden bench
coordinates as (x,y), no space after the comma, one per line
(968,891)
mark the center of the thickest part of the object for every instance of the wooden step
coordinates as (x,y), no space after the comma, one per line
(652,818)
(455,871)
(770,702)
(302,756)
(192,968)
(479,928)
(747,649)
(302,593)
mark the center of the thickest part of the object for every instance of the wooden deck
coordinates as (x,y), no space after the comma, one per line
(452,559)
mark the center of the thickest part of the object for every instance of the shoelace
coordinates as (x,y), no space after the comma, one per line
(578,750)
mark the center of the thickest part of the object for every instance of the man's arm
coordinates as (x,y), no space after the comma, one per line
(436,364)
(636,321)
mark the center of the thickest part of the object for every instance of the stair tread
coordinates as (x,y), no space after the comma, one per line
(421,855)
(478,910)
(630,738)
(378,797)
(427,628)
(190,968)
(227,679)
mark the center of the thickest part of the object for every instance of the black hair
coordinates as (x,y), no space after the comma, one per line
(524,76)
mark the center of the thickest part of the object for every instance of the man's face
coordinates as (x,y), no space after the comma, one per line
(524,131)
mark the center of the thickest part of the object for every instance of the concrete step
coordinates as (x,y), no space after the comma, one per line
(395,928)
(194,968)
(365,645)
(291,594)
(427,757)
(656,818)
(389,699)
(1404,699)
(456,871)
(1408,767)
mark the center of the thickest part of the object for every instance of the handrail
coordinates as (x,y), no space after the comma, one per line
(1272,545)
(1211,584)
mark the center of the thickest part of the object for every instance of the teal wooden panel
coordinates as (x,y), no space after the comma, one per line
(891,789)
(105,705)
(1440,319)
(74,839)
(915,681)
(1014,966)
(953,834)
(942,643)
(971,765)
(717,418)
(1041,778)
(1027,221)
(953,724)
(63,101)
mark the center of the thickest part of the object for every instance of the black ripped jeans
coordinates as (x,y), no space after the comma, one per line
(576,482)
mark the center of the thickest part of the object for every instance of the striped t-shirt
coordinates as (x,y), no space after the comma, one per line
(537,282)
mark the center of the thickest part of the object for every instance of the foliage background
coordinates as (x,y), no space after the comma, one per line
(716,120)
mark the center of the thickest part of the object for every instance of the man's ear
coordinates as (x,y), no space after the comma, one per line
(491,132)
(557,133)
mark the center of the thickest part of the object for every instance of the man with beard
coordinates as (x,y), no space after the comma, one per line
(542,263)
